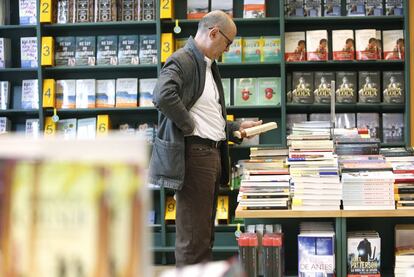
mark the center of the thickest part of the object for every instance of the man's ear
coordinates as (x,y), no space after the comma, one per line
(213,33)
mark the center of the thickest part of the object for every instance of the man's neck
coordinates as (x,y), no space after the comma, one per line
(200,45)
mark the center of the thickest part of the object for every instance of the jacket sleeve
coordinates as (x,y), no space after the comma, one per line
(231,127)
(167,97)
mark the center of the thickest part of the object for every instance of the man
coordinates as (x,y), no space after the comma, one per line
(190,153)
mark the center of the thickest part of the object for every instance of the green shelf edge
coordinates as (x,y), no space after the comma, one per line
(238,21)
(92,25)
(337,19)
(17,27)
(99,68)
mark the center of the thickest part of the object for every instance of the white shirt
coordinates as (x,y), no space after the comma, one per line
(206,112)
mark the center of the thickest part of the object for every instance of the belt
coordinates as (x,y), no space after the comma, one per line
(203,141)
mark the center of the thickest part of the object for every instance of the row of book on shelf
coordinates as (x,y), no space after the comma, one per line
(196,9)
(366,44)
(317,8)
(262,251)
(80,11)
(350,87)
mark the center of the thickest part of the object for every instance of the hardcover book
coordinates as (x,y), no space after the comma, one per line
(346,85)
(369,121)
(343,45)
(65,11)
(369,87)
(28,52)
(223,5)
(234,55)
(313,8)
(148,10)
(332,8)
(302,85)
(147,49)
(146,92)
(27,12)
(393,87)
(374,7)
(394,7)
(105,93)
(65,94)
(196,9)
(245,91)
(65,49)
(294,8)
(392,127)
(322,85)
(129,10)
(30,95)
(364,254)
(269,91)
(85,93)
(317,45)
(85,50)
(126,92)
(84,11)
(128,49)
(105,10)
(251,49)
(271,51)
(226,82)
(4,95)
(366,44)
(5,52)
(394,48)
(355,7)
(107,53)
(254,9)
(295,46)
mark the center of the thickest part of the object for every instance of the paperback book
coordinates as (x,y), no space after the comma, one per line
(271,51)
(295,46)
(28,52)
(302,85)
(394,48)
(32,128)
(84,10)
(346,85)
(313,8)
(364,254)
(393,87)
(5,52)
(322,85)
(269,91)
(345,120)
(4,95)
(332,8)
(366,44)
(65,94)
(234,55)
(254,9)
(392,127)
(148,10)
(394,7)
(5,125)
(126,92)
(355,7)
(226,83)
(27,12)
(294,8)
(147,49)
(65,11)
(146,92)
(30,95)
(251,49)
(65,50)
(343,45)
(369,87)
(317,45)
(196,9)
(374,7)
(105,10)
(129,10)
(86,128)
(85,93)
(128,49)
(105,93)
(245,91)
(85,50)
(107,52)
(223,5)
(369,121)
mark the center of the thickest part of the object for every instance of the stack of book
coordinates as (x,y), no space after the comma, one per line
(404,249)
(403,168)
(315,183)
(265,180)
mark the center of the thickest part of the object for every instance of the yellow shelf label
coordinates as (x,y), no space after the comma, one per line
(46,11)
(166,9)
(48,52)
(103,125)
(222,208)
(170,208)
(230,117)
(49,93)
(167,46)
(50,126)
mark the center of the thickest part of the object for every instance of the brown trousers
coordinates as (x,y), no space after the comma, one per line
(196,205)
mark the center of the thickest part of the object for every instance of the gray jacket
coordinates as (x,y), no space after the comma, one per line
(179,86)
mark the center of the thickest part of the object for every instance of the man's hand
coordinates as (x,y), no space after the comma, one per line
(248,124)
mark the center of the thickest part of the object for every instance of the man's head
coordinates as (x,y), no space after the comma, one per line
(215,34)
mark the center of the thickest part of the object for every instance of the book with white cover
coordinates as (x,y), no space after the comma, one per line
(85,93)
(343,45)
(30,95)
(32,127)
(146,92)
(4,95)
(28,12)
(105,93)
(28,52)
(295,46)
(65,94)
(127,92)
(86,128)
(394,48)
(5,125)
(366,44)
(317,45)
(5,52)
(67,127)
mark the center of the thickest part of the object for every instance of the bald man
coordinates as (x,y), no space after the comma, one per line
(190,153)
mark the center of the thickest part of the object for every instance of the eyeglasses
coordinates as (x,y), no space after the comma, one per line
(229,41)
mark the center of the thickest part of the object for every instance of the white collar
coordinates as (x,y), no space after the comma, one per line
(208,61)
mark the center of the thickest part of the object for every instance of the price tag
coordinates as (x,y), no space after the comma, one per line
(166,9)
(222,208)
(177,28)
(170,210)
(48,51)
(46,11)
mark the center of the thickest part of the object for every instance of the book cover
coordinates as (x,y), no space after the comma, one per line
(288,87)
(65,49)
(343,45)
(5,52)
(364,255)
(147,49)
(28,52)
(223,5)
(105,93)
(366,44)
(107,52)
(196,9)
(393,87)
(271,51)
(394,7)
(392,127)
(84,11)
(67,127)
(302,85)
(227,90)
(322,85)
(105,10)
(126,92)
(374,7)
(295,46)
(251,49)
(245,91)
(129,10)
(317,45)
(65,11)
(332,8)
(146,92)
(394,48)
(85,50)
(85,93)
(5,125)
(379,44)
(269,91)
(369,121)
(65,94)
(346,85)
(128,49)
(355,7)
(4,95)
(30,95)
(313,8)
(369,87)
(27,12)
(234,55)
(32,128)
(86,128)
(294,8)
(254,9)
(345,120)
(148,10)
